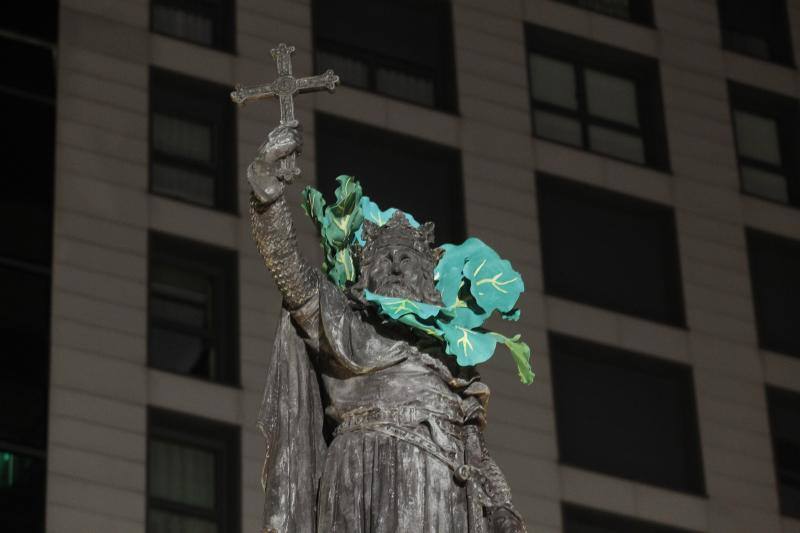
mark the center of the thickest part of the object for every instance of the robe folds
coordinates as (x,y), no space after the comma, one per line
(328,360)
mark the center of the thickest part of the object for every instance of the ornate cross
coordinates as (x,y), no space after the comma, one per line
(284,87)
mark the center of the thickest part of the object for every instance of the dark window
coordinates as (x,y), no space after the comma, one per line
(192,140)
(419,177)
(193,309)
(774,268)
(784,419)
(193,479)
(22,488)
(595,97)
(33,19)
(625,414)
(766,131)
(27,94)
(399,48)
(610,250)
(640,11)
(584,520)
(758,29)
(204,22)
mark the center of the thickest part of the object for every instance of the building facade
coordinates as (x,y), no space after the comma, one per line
(636,161)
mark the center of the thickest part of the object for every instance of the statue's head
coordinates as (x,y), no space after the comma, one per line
(397,260)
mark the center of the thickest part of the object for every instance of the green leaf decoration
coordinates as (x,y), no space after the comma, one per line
(473,280)
(314,204)
(493,283)
(470,347)
(426,327)
(397,307)
(373,213)
(448,272)
(521,353)
(348,196)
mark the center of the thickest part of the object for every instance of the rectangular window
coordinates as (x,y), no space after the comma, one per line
(626,414)
(640,11)
(22,489)
(757,29)
(204,22)
(27,96)
(399,48)
(766,129)
(579,519)
(784,419)
(631,245)
(192,141)
(193,478)
(412,175)
(595,97)
(774,268)
(193,309)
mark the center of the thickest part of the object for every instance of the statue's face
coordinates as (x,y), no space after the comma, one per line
(398,272)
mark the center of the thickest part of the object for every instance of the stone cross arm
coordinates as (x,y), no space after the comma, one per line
(284,87)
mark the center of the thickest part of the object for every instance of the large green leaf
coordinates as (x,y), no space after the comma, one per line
(314,204)
(348,195)
(374,214)
(397,307)
(493,283)
(521,353)
(470,347)
(449,270)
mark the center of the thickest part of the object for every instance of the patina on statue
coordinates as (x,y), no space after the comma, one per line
(366,428)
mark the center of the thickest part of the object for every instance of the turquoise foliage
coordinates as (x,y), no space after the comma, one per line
(473,280)
(338,224)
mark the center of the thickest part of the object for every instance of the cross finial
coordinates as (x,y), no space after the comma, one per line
(284,87)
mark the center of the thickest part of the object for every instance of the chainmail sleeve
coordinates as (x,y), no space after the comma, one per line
(273,231)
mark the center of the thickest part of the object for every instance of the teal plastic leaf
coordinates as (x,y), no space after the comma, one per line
(470,347)
(373,213)
(343,269)
(314,204)
(521,353)
(424,326)
(397,307)
(449,271)
(348,196)
(493,283)
(512,315)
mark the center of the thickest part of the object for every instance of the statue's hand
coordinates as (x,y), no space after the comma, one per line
(262,172)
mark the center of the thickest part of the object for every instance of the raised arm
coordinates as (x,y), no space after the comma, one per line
(272,225)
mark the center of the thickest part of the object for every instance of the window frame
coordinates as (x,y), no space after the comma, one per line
(222,266)
(785,111)
(165,90)
(584,55)
(445,92)
(779,395)
(675,312)
(621,358)
(221,439)
(641,11)
(756,239)
(780,50)
(613,520)
(222,14)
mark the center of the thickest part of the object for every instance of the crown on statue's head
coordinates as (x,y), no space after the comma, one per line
(398,232)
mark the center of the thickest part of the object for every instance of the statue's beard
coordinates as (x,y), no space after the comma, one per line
(396,288)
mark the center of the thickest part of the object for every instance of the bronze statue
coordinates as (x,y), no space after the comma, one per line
(367,428)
